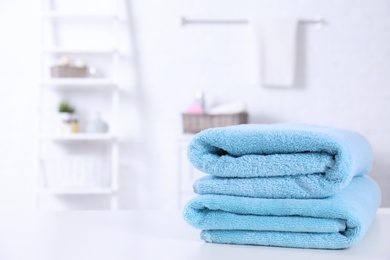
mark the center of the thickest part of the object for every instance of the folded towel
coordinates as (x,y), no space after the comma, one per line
(278,41)
(278,160)
(335,222)
(228,108)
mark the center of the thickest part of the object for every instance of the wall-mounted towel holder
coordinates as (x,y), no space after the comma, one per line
(318,21)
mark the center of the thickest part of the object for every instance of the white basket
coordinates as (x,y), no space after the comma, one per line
(76,171)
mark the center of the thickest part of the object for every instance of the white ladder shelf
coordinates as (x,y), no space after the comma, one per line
(67,85)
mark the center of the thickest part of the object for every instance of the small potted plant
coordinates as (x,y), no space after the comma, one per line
(69,123)
(66,109)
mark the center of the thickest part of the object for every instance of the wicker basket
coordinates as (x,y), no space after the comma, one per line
(74,171)
(194,123)
(68,72)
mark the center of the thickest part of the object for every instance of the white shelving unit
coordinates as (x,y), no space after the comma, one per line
(67,86)
(78,16)
(76,83)
(80,137)
(62,50)
(78,191)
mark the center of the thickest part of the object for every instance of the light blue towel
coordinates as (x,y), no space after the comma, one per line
(335,222)
(278,160)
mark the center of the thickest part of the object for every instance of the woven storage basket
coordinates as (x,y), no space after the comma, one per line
(68,72)
(194,123)
(73,171)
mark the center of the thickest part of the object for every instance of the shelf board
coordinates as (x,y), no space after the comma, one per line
(69,15)
(80,83)
(80,137)
(77,190)
(62,50)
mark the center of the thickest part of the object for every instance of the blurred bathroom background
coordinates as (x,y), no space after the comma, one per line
(129,90)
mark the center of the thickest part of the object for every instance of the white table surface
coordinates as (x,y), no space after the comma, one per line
(137,235)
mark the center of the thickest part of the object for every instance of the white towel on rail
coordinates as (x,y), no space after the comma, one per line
(278,50)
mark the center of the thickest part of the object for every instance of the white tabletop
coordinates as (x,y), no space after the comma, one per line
(137,235)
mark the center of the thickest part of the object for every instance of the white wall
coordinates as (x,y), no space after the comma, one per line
(19,42)
(342,81)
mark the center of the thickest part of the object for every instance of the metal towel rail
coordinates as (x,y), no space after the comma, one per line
(318,21)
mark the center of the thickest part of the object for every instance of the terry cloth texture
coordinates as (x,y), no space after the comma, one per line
(278,160)
(335,222)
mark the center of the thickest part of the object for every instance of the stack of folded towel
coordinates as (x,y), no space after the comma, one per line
(287,185)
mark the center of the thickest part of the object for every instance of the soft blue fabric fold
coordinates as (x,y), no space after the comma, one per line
(336,222)
(278,160)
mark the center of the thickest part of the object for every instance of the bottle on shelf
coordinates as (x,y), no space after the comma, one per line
(198,105)
(97,125)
